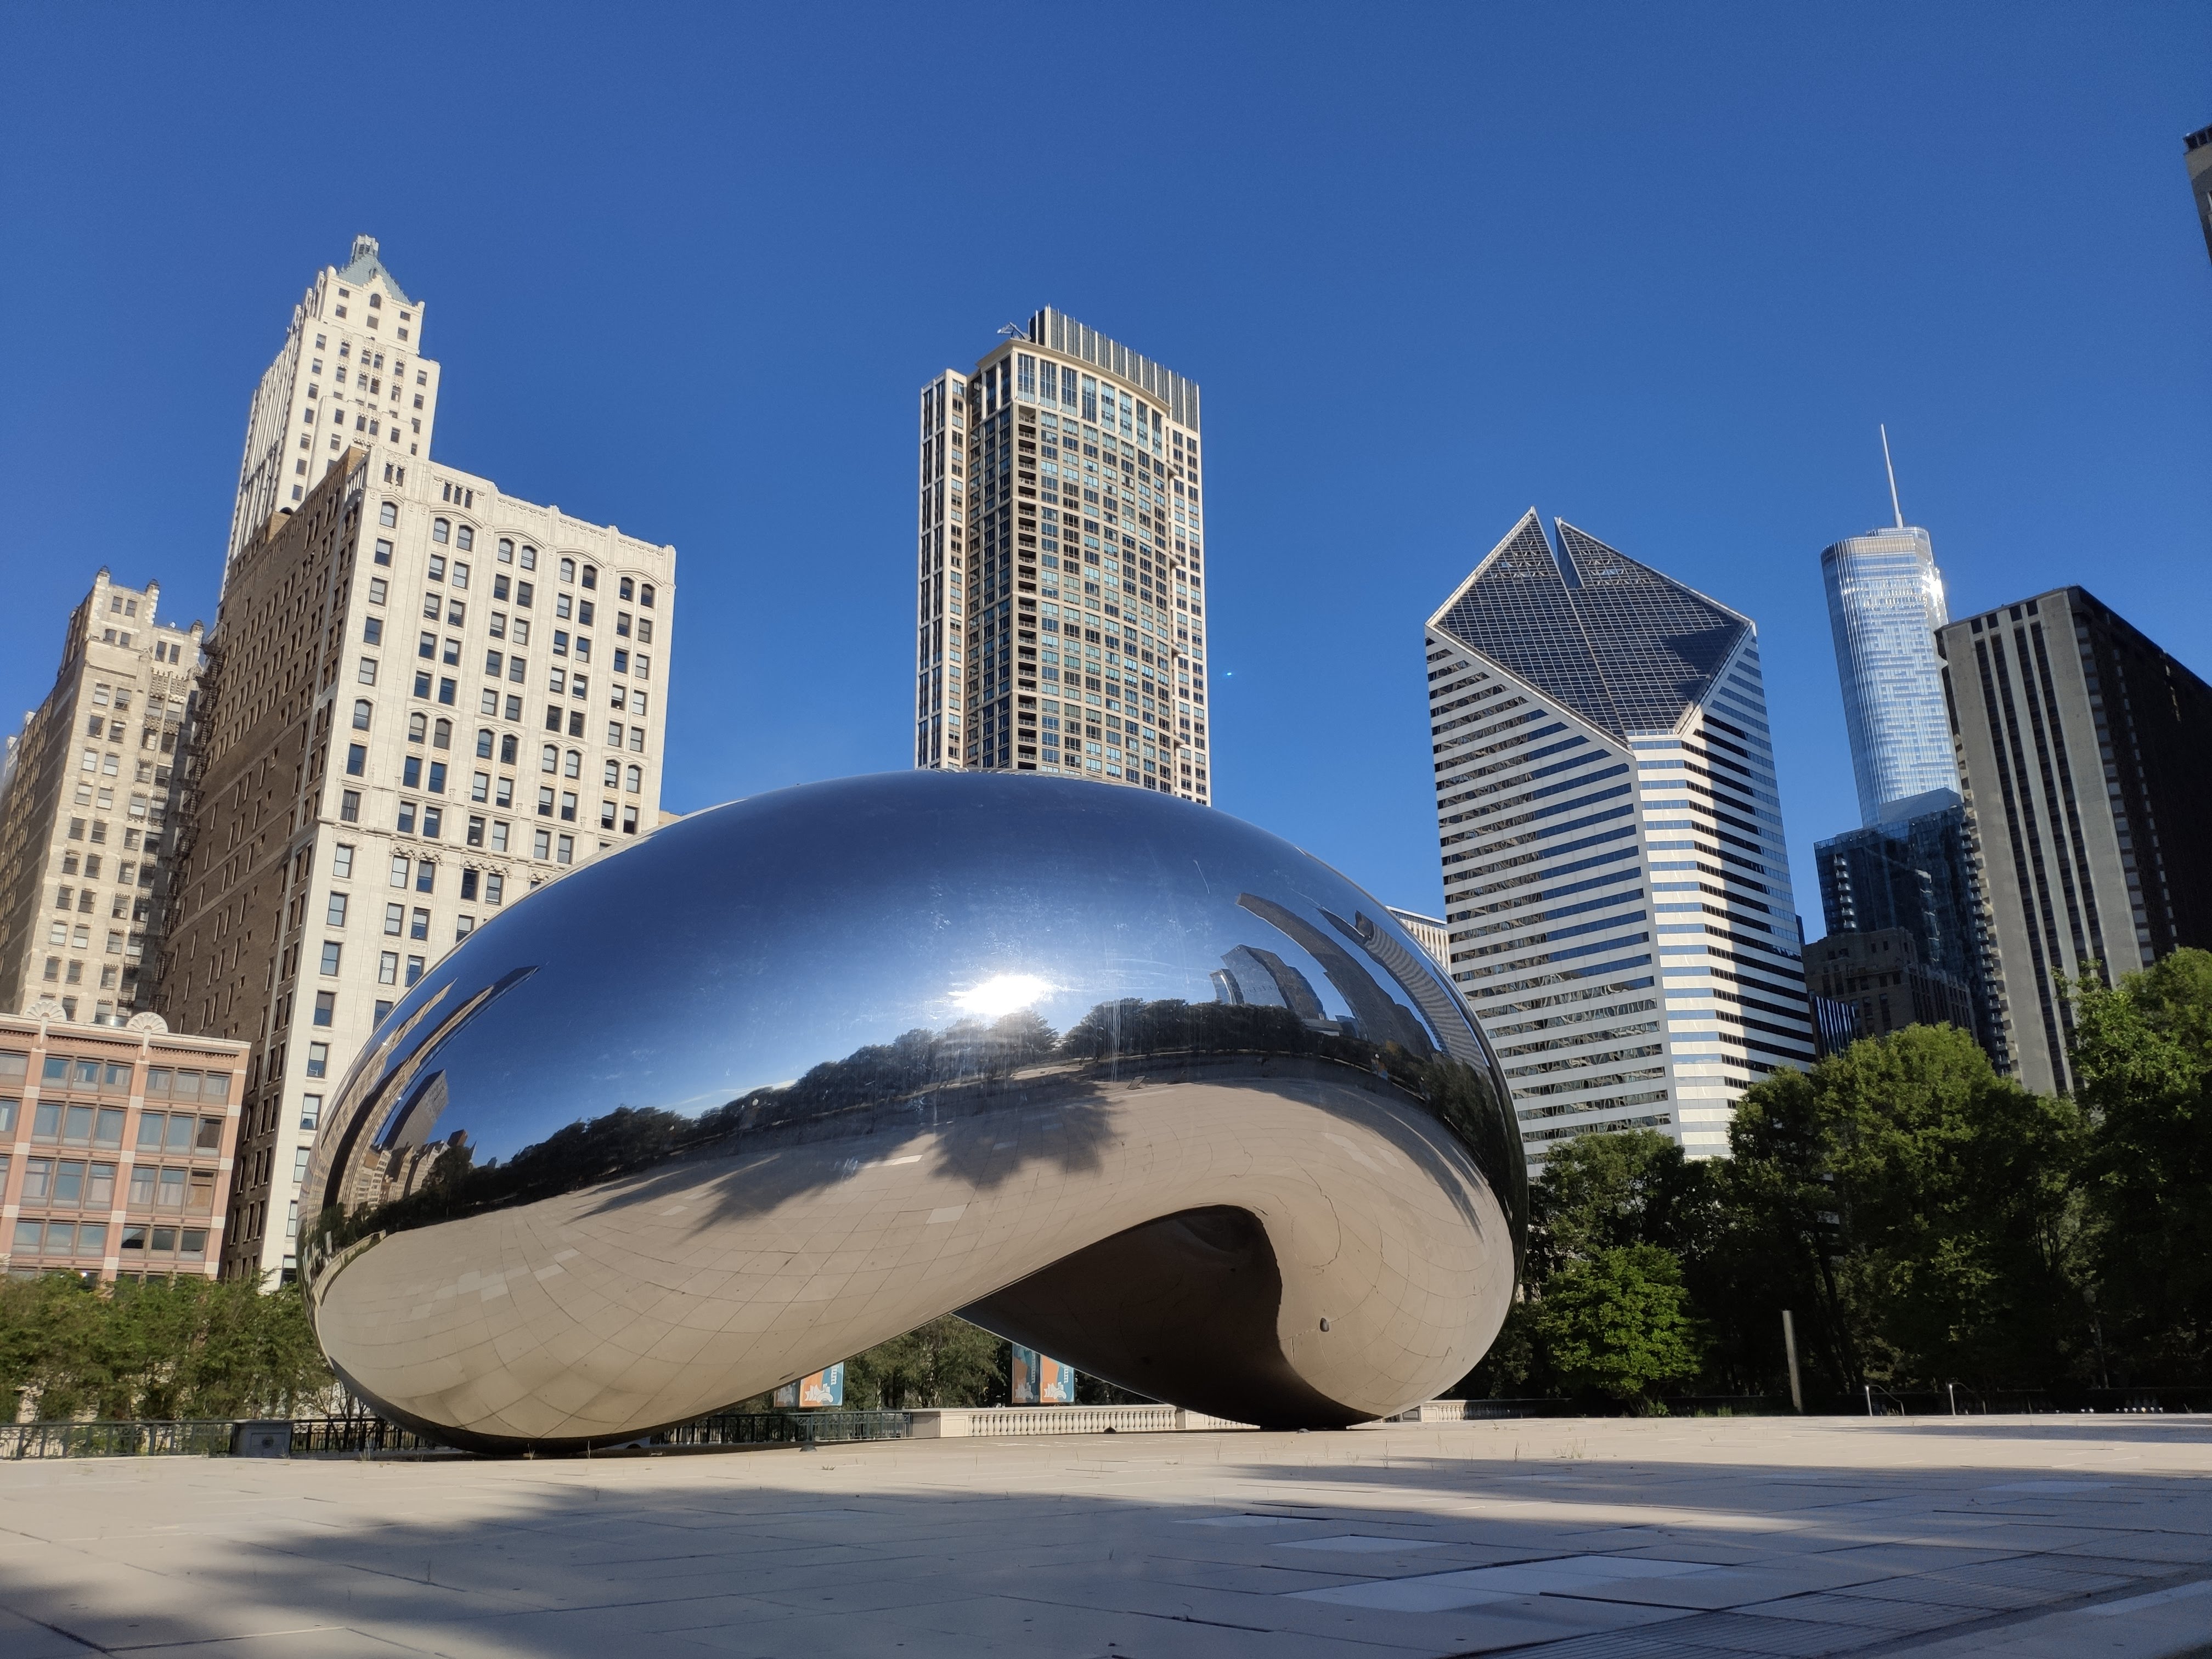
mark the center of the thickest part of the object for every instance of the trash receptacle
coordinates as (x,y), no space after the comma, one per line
(271,1439)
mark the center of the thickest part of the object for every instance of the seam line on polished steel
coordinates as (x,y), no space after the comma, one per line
(1109,1072)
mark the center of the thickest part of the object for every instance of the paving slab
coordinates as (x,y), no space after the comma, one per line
(1679,1539)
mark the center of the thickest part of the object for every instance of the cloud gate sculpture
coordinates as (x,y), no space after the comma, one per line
(1121,1078)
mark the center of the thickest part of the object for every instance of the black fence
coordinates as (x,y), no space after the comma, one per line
(364,1436)
(806,1428)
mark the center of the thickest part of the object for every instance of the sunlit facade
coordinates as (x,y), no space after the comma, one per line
(1616,883)
(1061,608)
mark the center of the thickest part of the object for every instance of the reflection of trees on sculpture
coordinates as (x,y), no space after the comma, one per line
(913,1071)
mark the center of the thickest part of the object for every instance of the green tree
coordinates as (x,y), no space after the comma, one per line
(184,1347)
(1632,1190)
(1929,1204)
(947,1361)
(1619,1321)
(2142,1056)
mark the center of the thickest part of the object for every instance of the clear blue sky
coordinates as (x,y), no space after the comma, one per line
(1657,269)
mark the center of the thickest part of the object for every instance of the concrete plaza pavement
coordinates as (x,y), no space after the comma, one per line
(1562,1538)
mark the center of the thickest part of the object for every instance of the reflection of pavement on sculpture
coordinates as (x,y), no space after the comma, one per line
(652,1299)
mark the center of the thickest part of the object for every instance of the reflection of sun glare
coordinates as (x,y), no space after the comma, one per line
(1002,994)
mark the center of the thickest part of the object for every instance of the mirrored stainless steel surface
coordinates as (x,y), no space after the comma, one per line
(1124,1079)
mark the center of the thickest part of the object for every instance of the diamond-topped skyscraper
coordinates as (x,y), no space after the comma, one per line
(1616,885)
(1884,603)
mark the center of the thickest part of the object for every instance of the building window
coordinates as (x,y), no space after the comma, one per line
(332,950)
(419,926)
(311,1111)
(356,759)
(414,971)
(349,807)
(441,531)
(318,1058)
(387,966)
(363,712)
(494,886)
(326,1004)
(366,672)
(336,915)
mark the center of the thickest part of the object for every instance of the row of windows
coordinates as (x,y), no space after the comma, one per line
(89,1238)
(78,1075)
(461,537)
(67,1124)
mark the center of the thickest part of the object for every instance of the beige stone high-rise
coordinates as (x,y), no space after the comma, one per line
(350,372)
(424,697)
(88,811)
(1060,622)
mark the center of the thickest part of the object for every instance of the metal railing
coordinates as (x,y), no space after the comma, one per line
(802,1428)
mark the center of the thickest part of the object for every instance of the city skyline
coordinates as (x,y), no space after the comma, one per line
(1727,347)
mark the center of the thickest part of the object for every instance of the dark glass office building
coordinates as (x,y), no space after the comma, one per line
(2082,751)
(1918,876)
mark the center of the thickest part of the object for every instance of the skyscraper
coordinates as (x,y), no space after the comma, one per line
(2081,752)
(423,697)
(1616,883)
(1920,876)
(88,817)
(2196,152)
(1885,603)
(349,372)
(1061,618)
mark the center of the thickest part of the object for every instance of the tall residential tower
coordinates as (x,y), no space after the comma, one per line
(1884,603)
(1060,622)
(1616,883)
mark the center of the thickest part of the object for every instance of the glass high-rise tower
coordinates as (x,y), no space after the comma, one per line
(1616,885)
(1061,606)
(1884,603)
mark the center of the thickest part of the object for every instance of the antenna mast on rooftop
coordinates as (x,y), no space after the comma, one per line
(1890,468)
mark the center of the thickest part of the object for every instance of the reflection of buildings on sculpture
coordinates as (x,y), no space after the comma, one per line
(424,697)
(403,1169)
(1429,932)
(1060,622)
(1262,979)
(1617,889)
